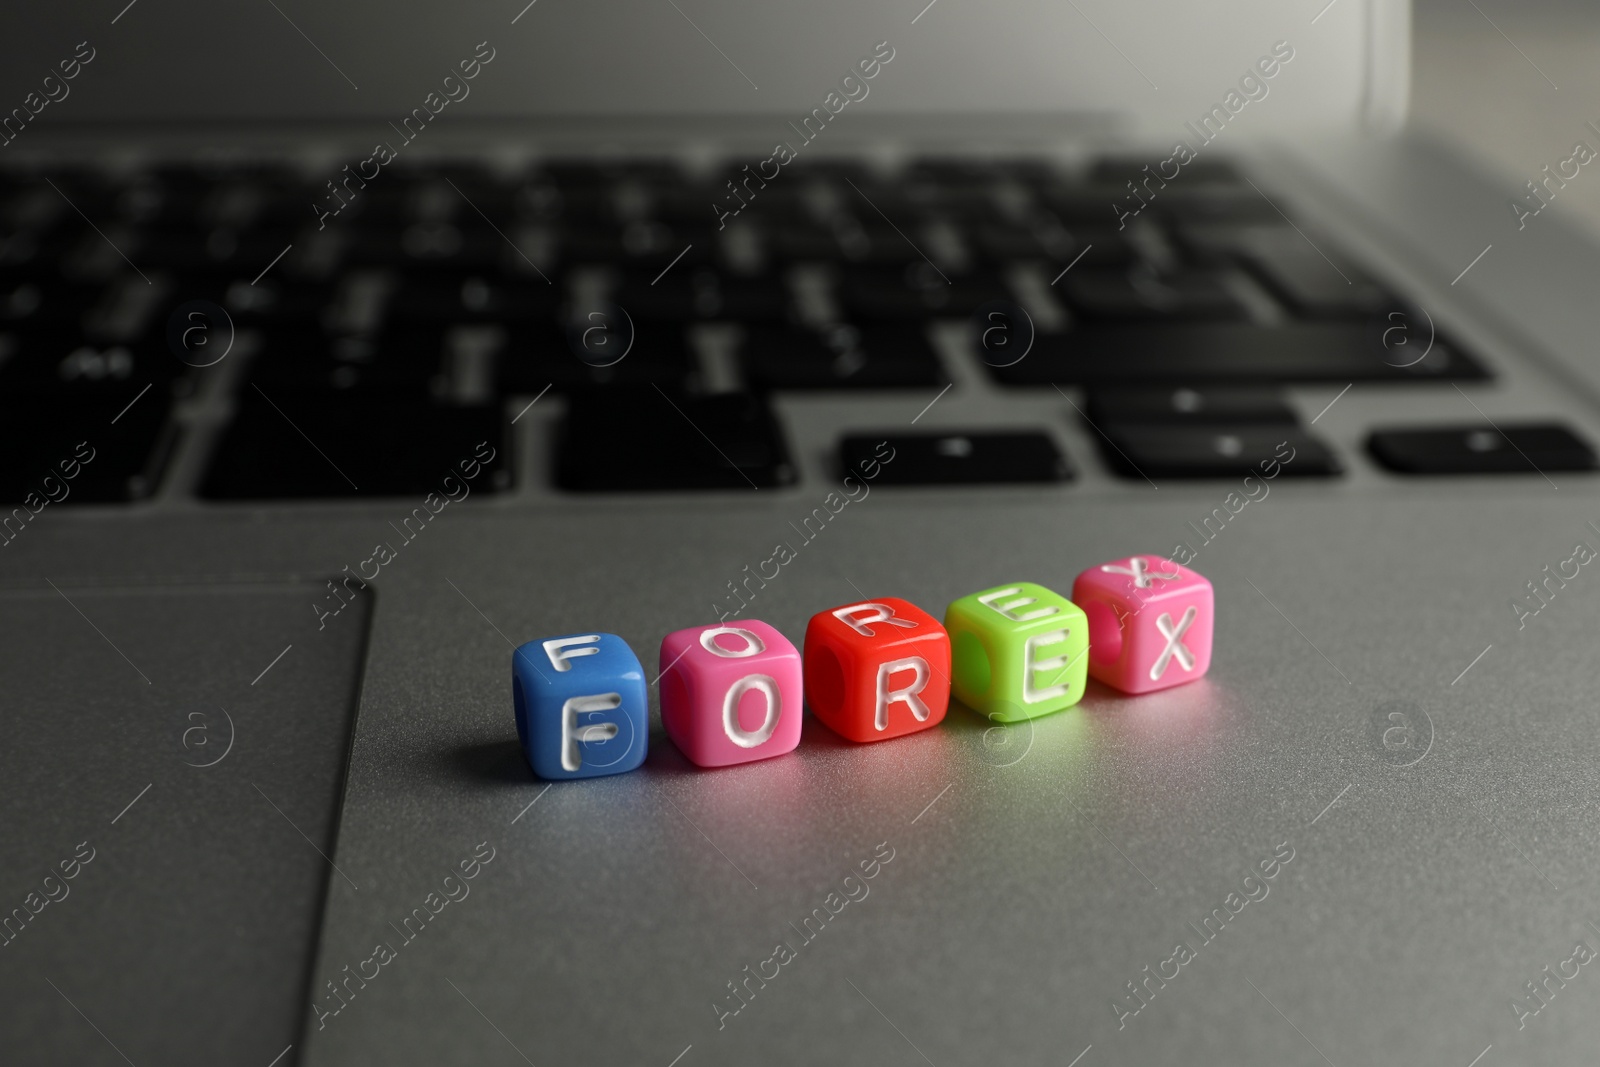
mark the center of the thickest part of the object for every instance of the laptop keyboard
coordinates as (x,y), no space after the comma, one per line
(410,329)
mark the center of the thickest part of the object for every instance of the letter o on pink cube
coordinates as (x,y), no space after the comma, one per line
(731,694)
(1150,622)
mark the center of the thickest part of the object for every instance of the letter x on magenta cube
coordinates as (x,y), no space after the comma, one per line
(1150,622)
(731,694)
(581,706)
(877,669)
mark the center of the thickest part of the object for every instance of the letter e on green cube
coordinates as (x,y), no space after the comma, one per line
(1018,651)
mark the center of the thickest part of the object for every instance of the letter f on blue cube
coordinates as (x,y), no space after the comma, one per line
(581,706)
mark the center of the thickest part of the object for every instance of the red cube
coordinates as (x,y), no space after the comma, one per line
(877,669)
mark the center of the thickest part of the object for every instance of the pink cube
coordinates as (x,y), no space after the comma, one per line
(1150,622)
(731,694)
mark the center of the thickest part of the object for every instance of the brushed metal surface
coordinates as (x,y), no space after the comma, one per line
(135,738)
(1037,869)
(711,58)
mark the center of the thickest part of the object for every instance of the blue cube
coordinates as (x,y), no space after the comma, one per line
(581,706)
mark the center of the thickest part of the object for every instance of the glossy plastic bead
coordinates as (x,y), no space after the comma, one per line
(877,669)
(1020,651)
(1150,622)
(581,706)
(731,694)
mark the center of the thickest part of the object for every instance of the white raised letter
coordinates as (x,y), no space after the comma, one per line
(752,643)
(767,686)
(1138,569)
(887,696)
(878,613)
(1031,695)
(1011,609)
(572,735)
(558,659)
(1175,649)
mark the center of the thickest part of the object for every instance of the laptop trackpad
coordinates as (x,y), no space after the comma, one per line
(170,776)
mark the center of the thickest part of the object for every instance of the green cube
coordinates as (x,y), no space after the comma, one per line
(1018,651)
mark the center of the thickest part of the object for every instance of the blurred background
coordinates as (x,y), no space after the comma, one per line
(1516,81)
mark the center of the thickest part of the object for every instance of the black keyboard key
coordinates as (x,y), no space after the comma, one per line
(45,197)
(301,446)
(626,352)
(870,240)
(1079,246)
(260,201)
(676,205)
(410,360)
(1140,293)
(198,251)
(1092,205)
(81,450)
(543,203)
(46,360)
(588,173)
(1210,172)
(488,296)
(1183,406)
(639,244)
(947,171)
(1005,242)
(1512,448)
(1302,276)
(686,293)
(1315,290)
(862,238)
(800,240)
(267,300)
(466,244)
(1201,192)
(145,201)
(650,440)
(1185,203)
(977,457)
(963,204)
(34,256)
(1216,451)
(839,357)
(1208,353)
(26,300)
(833,171)
(916,292)
(775,206)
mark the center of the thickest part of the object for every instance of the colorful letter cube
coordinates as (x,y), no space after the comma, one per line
(1020,651)
(1150,622)
(877,669)
(731,694)
(581,705)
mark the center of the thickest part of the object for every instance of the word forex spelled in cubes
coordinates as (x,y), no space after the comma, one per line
(731,694)
(1020,651)
(1150,621)
(877,669)
(581,706)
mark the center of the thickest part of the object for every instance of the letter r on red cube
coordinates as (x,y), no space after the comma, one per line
(877,669)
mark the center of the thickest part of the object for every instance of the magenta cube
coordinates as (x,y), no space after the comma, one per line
(1150,622)
(731,694)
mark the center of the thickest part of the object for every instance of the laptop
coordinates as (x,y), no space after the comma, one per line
(348,349)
